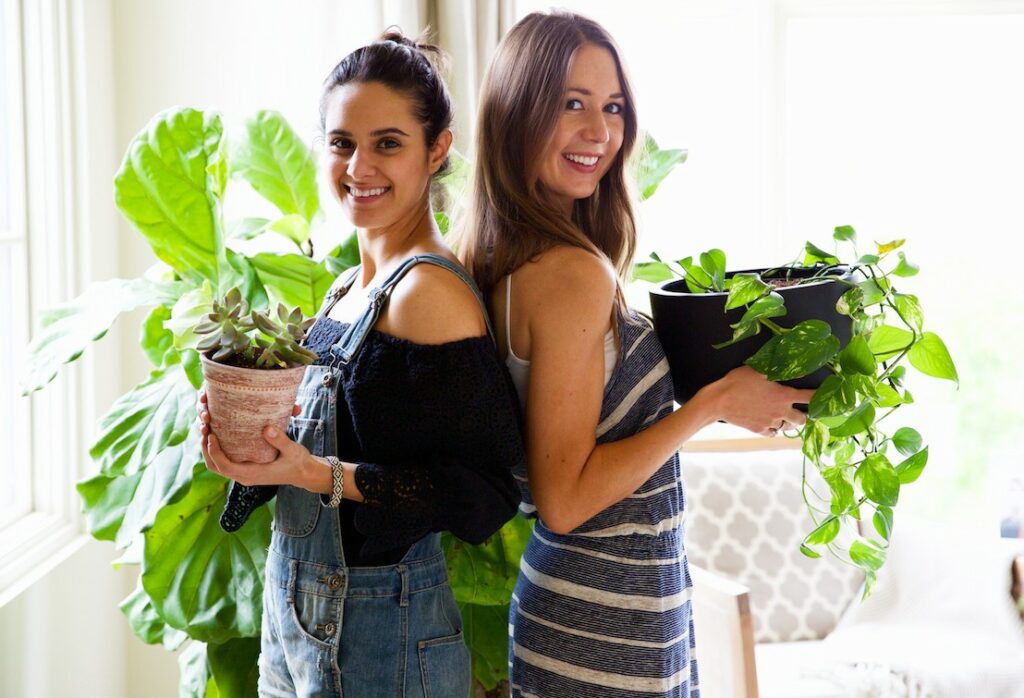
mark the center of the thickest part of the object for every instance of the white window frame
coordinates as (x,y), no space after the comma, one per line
(51,206)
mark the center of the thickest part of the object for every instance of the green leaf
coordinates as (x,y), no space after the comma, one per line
(909,309)
(886,247)
(278,165)
(882,521)
(930,356)
(861,418)
(653,166)
(154,415)
(443,222)
(119,507)
(147,624)
(485,629)
(868,259)
(293,226)
(202,580)
(845,232)
(814,254)
(842,451)
(744,289)
(188,312)
(851,302)
(654,272)
(713,262)
(697,280)
(835,396)
(800,351)
(155,339)
(166,191)
(825,533)
(808,552)
(867,555)
(815,438)
(233,665)
(456,180)
(749,325)
(344,256)
(194,671)
(247,228)
(873,293)
(240,274)
(857,357)
(886,341)
(910,469)
(905,268)
(879,480)
(841,487)
(485,574)
(888,396)
(66,330)
(292,279)
(907,441)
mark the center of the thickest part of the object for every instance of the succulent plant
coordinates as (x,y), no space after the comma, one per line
(254,338)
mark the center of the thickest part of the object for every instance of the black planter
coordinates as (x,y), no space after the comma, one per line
(689,324)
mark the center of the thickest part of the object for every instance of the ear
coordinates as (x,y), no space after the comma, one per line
(439,151)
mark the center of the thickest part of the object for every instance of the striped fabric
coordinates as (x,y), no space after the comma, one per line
(604,612)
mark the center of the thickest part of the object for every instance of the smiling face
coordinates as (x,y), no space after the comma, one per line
(588,133)
(377,157)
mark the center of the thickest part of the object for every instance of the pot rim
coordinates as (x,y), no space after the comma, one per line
(205,360)
(662,291)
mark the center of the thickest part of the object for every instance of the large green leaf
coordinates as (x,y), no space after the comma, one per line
(485,629)
(654,272)
(886,341)
(66,330)
(930,356)
(653,166)
(196,680)
(202,580)
(278,165)
(165,189)
(344,256)
(866,554)
(147,624)
(879,480)
(486,574)
(293,279)
(155,339)
(744,289)
(234,666)
(857,357)
(800,351)
(154,415)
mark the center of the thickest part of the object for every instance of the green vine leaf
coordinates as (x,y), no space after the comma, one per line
(930,356)
(907,441)
(845,232)
(745,289)
(879,480)
(887,341)
(882,521)
(815,437)
(857,357)
(825,533)
(910,469)
(800,351)
(860,420)
(905,268)
(867,555)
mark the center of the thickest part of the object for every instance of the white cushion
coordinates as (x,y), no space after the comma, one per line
(790,670)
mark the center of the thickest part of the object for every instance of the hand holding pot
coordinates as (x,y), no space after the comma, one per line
(748,399)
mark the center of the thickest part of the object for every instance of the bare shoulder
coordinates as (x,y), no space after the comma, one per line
(569,278)
(432,305)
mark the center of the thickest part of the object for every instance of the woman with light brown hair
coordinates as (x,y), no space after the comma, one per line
(602,604)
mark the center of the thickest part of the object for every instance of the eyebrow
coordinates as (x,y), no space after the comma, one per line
(588,93)
(390,130)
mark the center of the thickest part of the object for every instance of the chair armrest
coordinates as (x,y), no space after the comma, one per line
(725,636)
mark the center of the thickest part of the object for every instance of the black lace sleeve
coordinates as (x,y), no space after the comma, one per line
(446,425)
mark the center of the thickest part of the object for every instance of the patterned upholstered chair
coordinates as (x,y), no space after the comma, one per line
(756,596)
(766,616)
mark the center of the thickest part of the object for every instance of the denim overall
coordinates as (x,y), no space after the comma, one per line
(361,632)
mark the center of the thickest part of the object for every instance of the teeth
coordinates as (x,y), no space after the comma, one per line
(360,193)
(588,161)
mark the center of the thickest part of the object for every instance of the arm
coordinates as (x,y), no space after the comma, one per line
(571,477)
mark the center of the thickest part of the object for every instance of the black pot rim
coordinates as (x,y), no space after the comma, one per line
(662,291)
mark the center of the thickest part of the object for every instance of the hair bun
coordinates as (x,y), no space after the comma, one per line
(433,53)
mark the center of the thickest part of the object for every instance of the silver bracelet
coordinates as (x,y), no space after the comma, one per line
(337,483)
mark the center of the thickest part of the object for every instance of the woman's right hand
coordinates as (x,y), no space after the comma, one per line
(748,399)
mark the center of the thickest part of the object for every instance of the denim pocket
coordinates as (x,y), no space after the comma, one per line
(444,667)
(297,509)
(309,433)
(315,617)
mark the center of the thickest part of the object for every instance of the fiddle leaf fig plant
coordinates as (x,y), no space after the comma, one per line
(846,437)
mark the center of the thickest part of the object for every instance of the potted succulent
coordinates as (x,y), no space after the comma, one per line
(253,362)
(852,341)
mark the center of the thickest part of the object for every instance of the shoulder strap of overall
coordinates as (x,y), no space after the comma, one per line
(350,343)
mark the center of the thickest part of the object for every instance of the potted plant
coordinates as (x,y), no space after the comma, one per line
(852,341)
(253,362)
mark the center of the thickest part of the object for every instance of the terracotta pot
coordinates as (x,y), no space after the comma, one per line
(688,324)
(242,401)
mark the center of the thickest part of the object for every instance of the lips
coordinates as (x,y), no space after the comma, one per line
(585,163)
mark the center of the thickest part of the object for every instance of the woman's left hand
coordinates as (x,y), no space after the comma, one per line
(288,468)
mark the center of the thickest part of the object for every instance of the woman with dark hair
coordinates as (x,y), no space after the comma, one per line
(602,604)
(407,422)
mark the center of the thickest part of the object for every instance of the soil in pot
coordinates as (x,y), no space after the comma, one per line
(242,401)
(690,324)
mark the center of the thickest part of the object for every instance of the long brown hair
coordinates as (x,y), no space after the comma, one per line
(513,219)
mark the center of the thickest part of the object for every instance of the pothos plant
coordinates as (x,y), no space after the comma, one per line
(199,589)
(846,437)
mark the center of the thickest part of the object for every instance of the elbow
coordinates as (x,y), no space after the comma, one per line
(559,519)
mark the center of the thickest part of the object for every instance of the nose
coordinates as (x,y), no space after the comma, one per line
(361,165)
(595,130)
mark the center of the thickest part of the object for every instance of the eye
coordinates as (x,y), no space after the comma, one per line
(574,104)
(614,108)
(388,144)
(341,144)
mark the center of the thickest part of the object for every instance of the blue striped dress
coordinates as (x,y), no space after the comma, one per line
(604,611)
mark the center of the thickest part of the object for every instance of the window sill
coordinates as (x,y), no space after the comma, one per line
(32,548)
